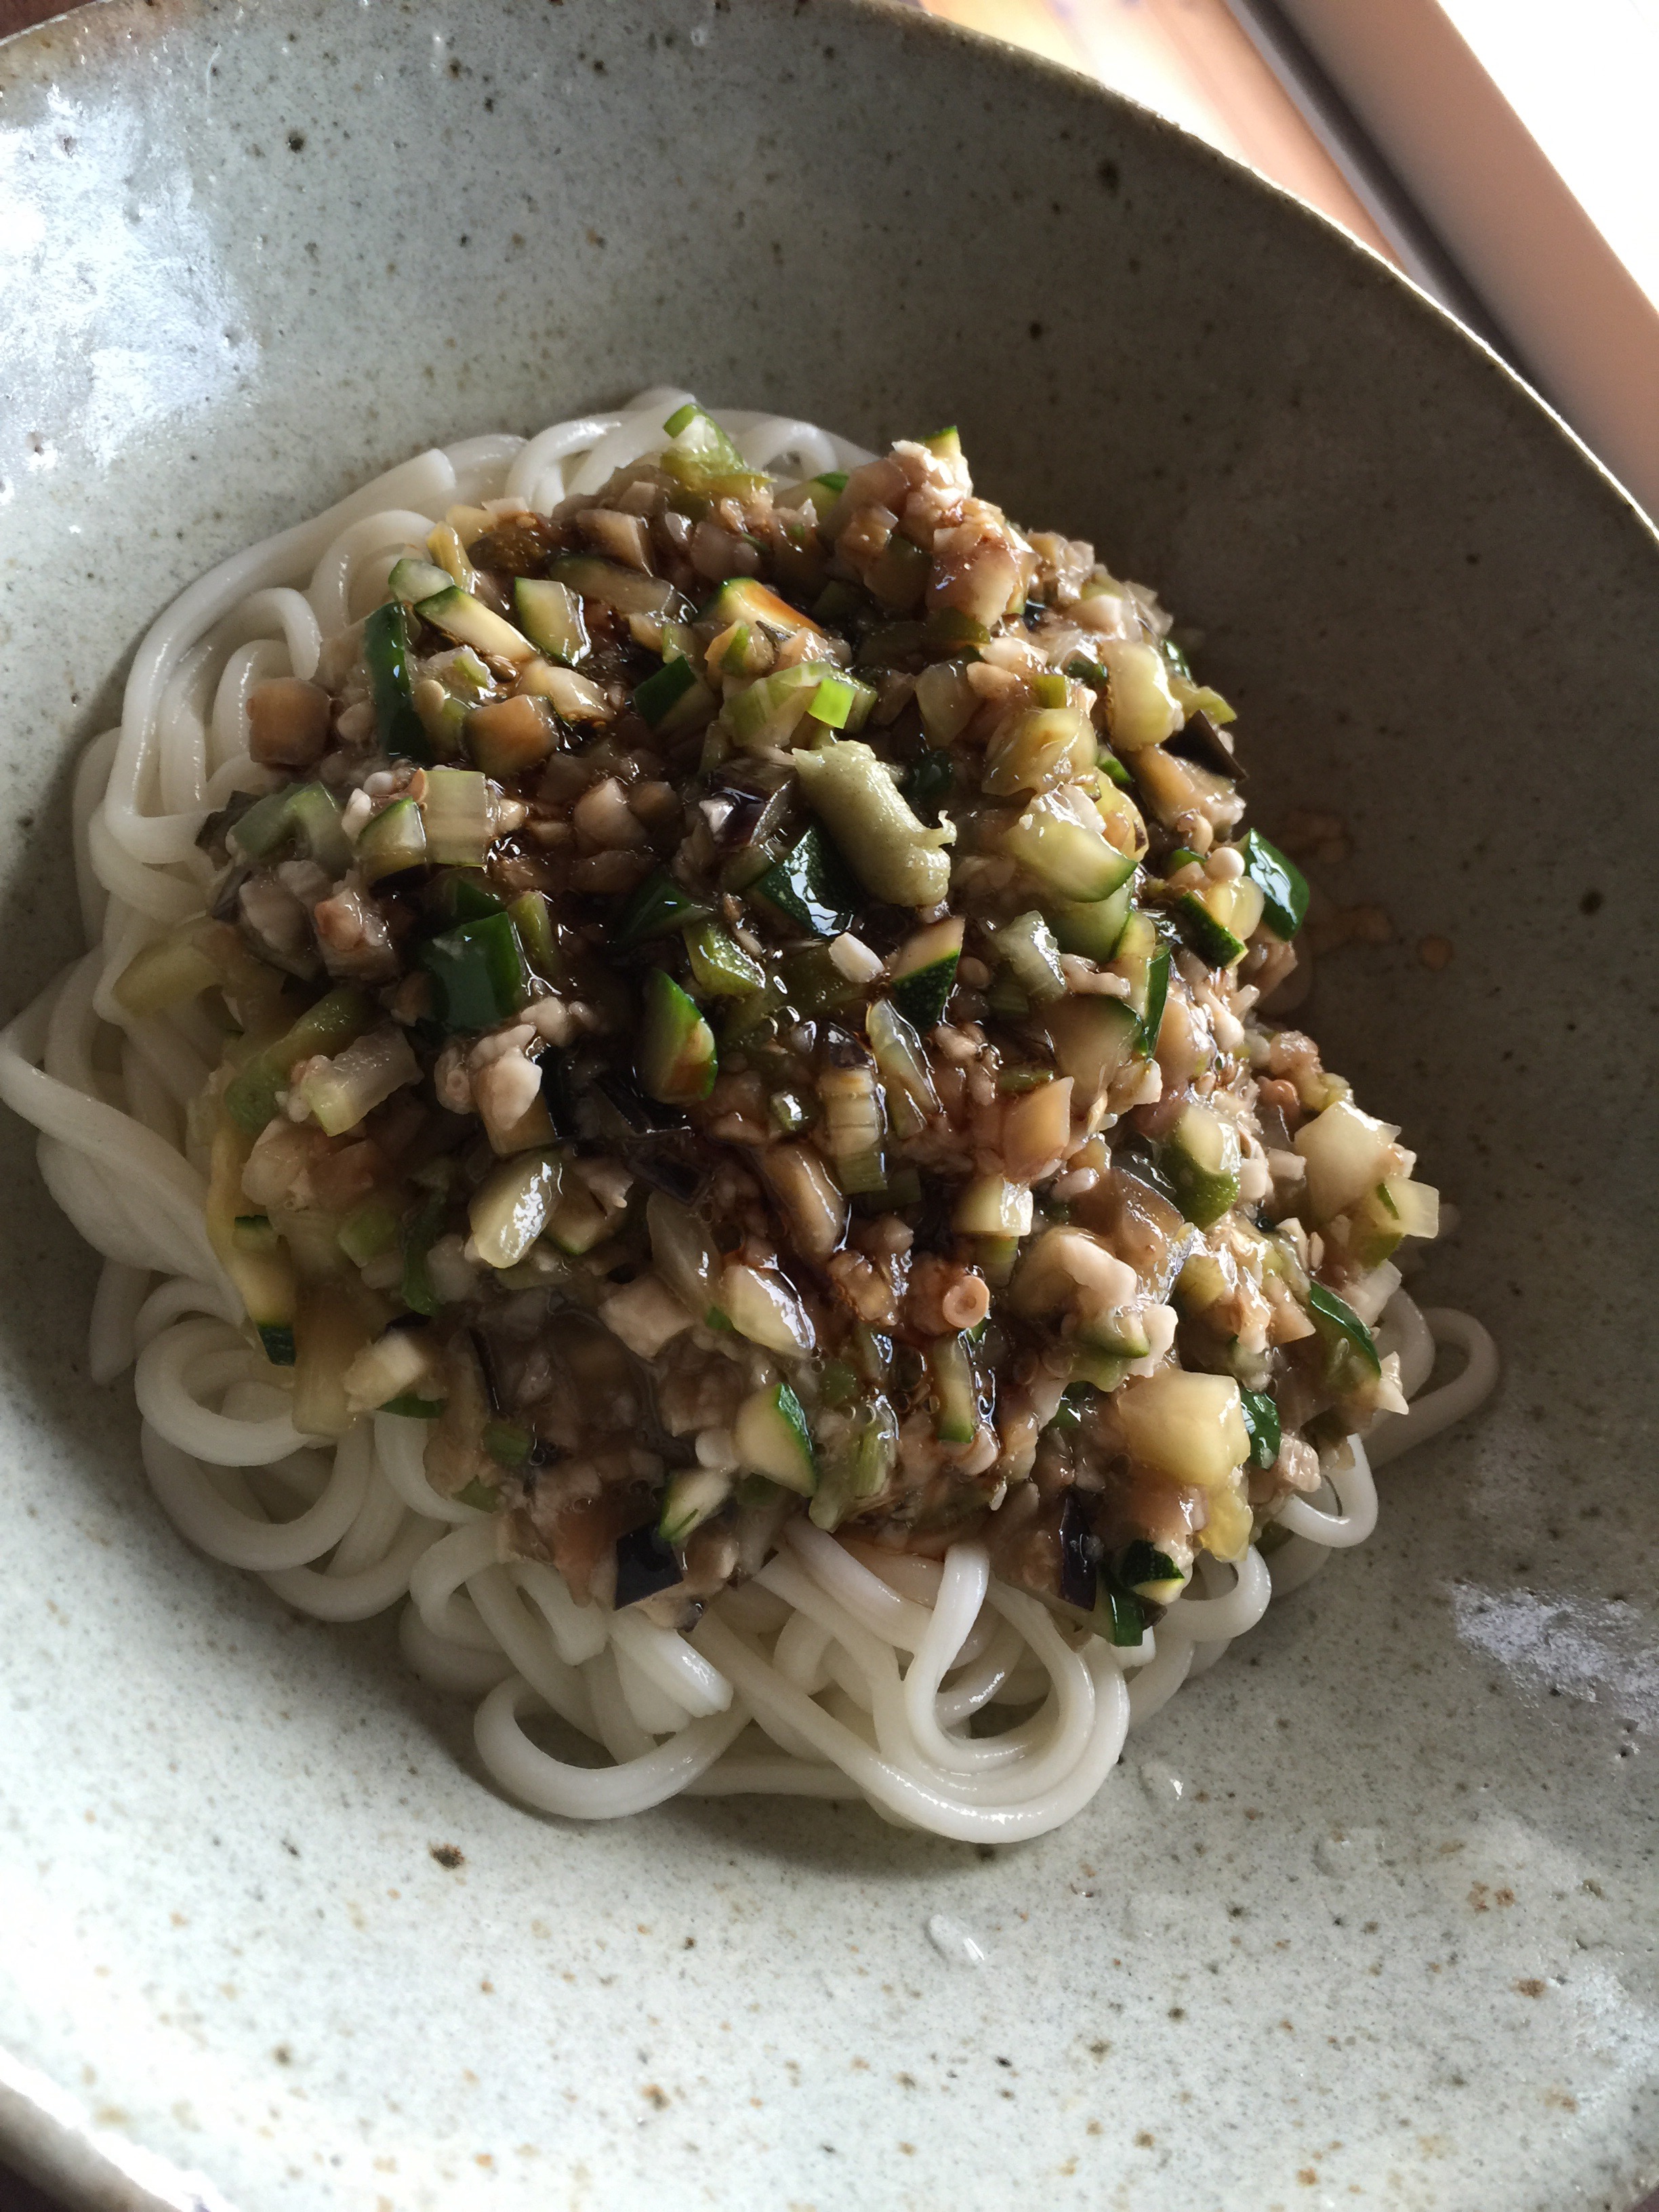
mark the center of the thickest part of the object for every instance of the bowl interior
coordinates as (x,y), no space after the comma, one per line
(1367,1906)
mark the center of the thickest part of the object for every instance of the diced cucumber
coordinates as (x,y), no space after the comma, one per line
(674,698)
(1027,944)
(331,1325)
(900,1057)
(1091,927)
(459,816)
(1283,886)
(513,1205)
(342,1090)
(470,621)
(773,1439)
(479,974)
(692,1496)
(1188,1426)
(392,842)
(1093,1036)
(991,1205)
(1142,956)
(165,974)
(946,699)
(421,1230)
(409,1407)
(1351,1355)
(1213,942)
(861,1466)
(702,458)
(812,982)
(929,785)
(509,1444)
(1119,1615)
(722,969)
(924,973)
(1374,1228)
(302,817)
(1261,1412)
(1172,788)
(399,1364)
(258,1263)
(531,915)
(676,1057)
(461,895)
(811,887)
(658,905)
(578,1221)
(1150,1573)
(773,707)
(333,1023)
(254,1235)
(1348,1154)
(745,600)
(955,1390)
(896,857)
(1061,840)
(629,591)
(1101,1370)
(1200,1158)
(413,581)
(509,737)
(368,1230)
(550,617)
(1045,746)
(388,654)
(1120,1332)
(1140,710)
(841,702)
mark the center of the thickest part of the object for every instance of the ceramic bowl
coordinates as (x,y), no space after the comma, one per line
(1367,1916)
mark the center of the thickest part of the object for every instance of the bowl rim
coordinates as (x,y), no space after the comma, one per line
(47,2135)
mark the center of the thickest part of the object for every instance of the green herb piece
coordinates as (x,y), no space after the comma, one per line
(1260,1426)
(1283,886)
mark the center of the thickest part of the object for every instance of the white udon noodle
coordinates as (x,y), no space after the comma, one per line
(840,1671)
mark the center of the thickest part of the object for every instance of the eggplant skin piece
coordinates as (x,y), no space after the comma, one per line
(1079,1553)
(644,1565)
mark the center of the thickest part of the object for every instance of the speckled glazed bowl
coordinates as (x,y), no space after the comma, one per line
(1368,1917)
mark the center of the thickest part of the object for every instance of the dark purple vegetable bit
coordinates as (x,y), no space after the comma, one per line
(671,1161)
(644,1565)
(1079,1554)
(489,1369)
(1207,746)
(560,1092)
(639,1116)
(737,817)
